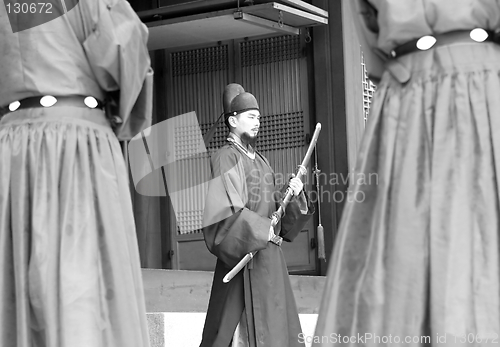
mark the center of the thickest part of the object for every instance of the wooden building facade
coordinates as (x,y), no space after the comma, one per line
(301,60)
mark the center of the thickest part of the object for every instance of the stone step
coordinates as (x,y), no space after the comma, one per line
(184,329)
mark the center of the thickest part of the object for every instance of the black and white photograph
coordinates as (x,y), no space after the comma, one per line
(249,173)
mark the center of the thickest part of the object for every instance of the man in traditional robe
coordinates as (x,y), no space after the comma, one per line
(241,200)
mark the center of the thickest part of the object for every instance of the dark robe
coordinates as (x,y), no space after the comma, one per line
(241,198)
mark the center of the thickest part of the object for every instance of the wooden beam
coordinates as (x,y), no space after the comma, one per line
(302,5)
(330,109)
(201,29)
(185,9)
(353,86)
(148,209)
(290,15)
(265,23)
(305,6)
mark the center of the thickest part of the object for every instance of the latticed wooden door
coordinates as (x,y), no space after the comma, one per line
(274,69)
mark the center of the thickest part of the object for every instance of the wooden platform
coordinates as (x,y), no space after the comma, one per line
(189,291)
(177,300)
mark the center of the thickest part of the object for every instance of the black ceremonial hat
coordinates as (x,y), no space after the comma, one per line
(235,100)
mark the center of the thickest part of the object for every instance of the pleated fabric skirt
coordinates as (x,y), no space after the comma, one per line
(69,264)
(417,253)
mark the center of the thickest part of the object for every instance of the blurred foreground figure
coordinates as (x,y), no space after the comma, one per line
(69,265)
(417,261)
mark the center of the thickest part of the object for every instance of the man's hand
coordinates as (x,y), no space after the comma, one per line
(277,240)
(271,233)
(296,185)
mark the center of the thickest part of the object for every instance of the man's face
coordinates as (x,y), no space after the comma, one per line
(247,125)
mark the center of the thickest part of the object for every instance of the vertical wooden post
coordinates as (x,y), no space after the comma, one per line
(338,105)
(148,210)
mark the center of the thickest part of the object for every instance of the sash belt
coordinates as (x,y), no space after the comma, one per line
(48,101)
(403,75)
(430,41)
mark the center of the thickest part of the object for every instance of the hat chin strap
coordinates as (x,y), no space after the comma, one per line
(210,133)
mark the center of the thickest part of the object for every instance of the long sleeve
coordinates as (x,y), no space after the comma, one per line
(116,49)
(230,229)
(294,219)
